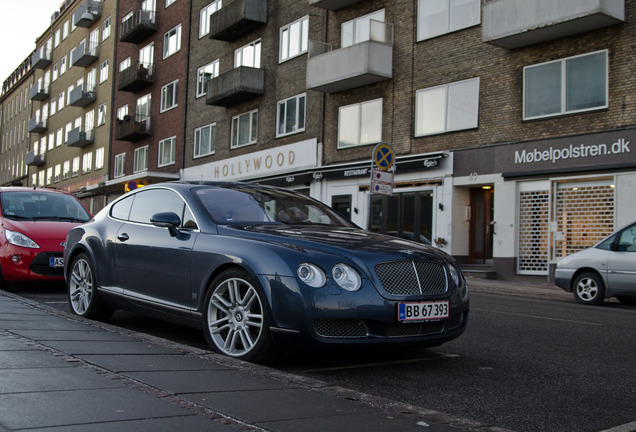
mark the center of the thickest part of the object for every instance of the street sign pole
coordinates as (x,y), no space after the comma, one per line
(382,174)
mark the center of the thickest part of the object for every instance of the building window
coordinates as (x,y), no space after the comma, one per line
(248,55)
(169,2)
(169,96)
(49,175)
(55,71)
(360,124)
(120,160)
(167,151)
(62,65)
(290,116)
(87,162)
(124,64)
(60,101)
(204,17)
(569,85)
(76,166)
(447,108)
(294,39)
(438,17)
(106,29)
(99,158)
(66,168)
(122,112)
(205,74)
(358,30)
(140,161)
(103,71)
(59,138)
(101,114)
(57,39)
(57,173)
(172,41)
(204,140)
(244,129)
(65,30)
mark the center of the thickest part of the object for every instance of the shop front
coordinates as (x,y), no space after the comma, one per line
(527,205)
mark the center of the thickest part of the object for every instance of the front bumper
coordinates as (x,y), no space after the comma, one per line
(30,265)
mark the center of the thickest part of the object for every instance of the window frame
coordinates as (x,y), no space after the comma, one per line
(257,55)
(564,84)
(119,165)
(360,106)
(163,107)
(278,115)
(201,88)
(235,134)
(172,142)
(140,159)
(284,43)
(449,27)
(212,143)
(167,37)
(205,14)
(446,108)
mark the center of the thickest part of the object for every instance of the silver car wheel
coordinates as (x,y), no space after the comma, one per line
(235,317)
(81,286)
(589,288)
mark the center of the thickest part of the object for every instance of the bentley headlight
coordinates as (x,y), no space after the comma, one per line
(346,277)
(454,273)
(19,239)
(312,275)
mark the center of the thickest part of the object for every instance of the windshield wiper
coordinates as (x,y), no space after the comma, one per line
(62,218)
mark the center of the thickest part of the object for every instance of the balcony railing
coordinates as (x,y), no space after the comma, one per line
(80,137)
(39,92)
(82,96)
(332,4)
(354,66)
(84,54)
(87,13)
(237,18)
(236,86)
(41,58)
(34,159)
(138,27)
(37,125)
(518,23)
(133,129)
(135,77)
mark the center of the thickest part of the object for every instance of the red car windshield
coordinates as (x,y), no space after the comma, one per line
(42,206)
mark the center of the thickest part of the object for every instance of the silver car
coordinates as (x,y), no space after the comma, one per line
(607,269)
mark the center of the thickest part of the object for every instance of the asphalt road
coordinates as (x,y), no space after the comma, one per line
(524,364)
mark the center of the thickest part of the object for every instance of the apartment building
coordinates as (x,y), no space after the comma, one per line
(15,112)
(71,98)
(150,95)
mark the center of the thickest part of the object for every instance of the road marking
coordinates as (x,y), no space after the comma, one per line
(540,317)
(56,302)
(393,362)
(627,427)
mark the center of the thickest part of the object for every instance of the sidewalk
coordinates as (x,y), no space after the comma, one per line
(61,372)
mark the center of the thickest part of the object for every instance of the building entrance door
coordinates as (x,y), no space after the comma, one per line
(482,225)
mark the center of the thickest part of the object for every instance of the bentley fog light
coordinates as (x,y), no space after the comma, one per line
(346,277)
(312,275)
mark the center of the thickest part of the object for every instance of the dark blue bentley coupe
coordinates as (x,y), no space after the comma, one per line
(259,269)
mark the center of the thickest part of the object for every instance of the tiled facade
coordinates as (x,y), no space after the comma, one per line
(493,110)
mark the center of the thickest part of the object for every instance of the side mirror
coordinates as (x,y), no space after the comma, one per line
(168,220)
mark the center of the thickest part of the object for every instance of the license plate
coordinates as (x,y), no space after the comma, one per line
(423,311)
(56,262)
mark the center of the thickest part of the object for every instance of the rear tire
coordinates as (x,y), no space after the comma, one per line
(83,297)
(589,289)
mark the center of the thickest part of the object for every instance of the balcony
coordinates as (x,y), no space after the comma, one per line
(138,27)
(130,129)
(33,159)
(237,18)
(358,65)
(38,126)
(79,137)
(333,4)
(135,77)
(84,54)
(41,58)
(236,86)
(81,96)
(518,23)
(39,92)
(87,13)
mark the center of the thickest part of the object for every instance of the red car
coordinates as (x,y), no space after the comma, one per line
(33,228)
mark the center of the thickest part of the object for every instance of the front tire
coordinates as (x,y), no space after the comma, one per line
(589,289)
(236,317)
(83,297)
